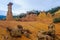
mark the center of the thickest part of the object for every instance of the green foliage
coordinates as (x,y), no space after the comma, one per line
(56,20)
(22,15)
(29,12)
(35,12)
(53,10)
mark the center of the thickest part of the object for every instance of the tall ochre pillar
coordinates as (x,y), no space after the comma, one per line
(9,16)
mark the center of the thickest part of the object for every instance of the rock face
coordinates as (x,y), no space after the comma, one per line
(42,17)
(29,17)
(9,12)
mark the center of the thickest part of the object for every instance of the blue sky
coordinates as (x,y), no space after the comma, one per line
(22,6)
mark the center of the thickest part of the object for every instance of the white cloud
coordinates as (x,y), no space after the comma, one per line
(24,7)
(21,6)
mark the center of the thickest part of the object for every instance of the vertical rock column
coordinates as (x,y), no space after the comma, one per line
(9,16)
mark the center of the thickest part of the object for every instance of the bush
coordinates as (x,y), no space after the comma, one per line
(56,20)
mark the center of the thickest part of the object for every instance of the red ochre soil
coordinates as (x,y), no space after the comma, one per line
(34,27)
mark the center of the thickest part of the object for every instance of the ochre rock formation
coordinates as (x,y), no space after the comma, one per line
(31,22)
(9,12)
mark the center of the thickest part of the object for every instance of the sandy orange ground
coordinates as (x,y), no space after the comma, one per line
(34,27)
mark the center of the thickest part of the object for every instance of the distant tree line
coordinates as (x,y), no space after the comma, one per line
(52,11)
(28,12)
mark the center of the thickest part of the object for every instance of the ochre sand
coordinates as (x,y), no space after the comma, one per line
(34,27)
